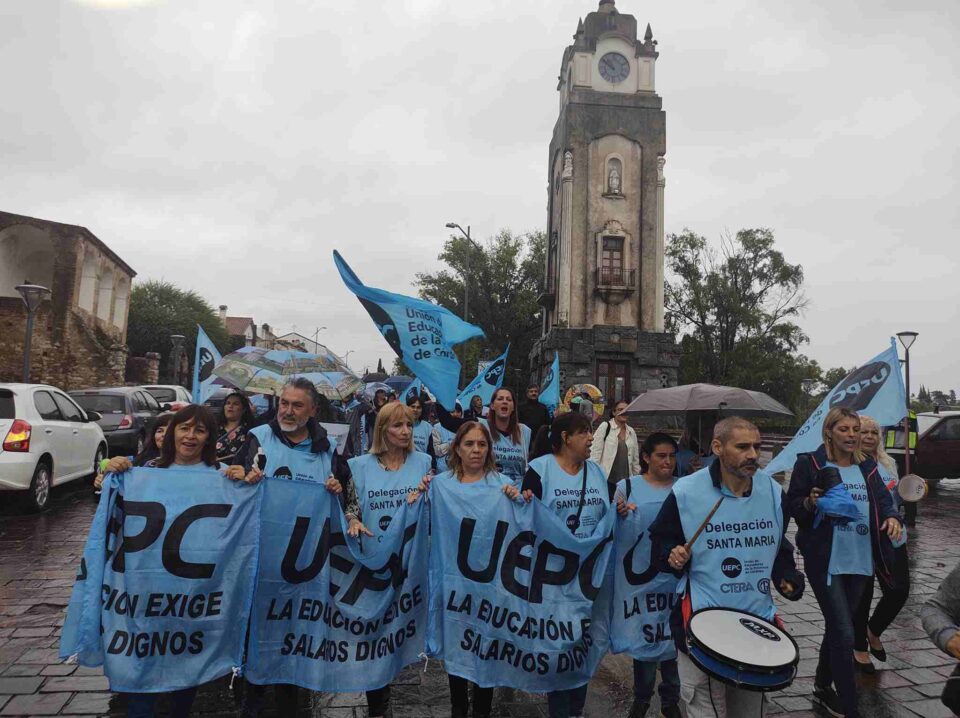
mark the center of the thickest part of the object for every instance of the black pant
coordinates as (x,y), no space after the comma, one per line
(378,701)
(254,697)
(838,602)
(893,599)
(460,697)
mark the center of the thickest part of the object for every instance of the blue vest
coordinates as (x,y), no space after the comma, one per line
(381,493)
(421,436)
(643,597)
(285,462)
(562,492)
(512,458)
(852,552)
(732,560)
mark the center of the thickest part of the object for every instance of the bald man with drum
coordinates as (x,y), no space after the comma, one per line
(731,559)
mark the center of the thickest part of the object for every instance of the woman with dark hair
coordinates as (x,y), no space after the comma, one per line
(236,420)
(511,439)
(422,430)
(151,449)
(190,440)
(615,446)
(554,478)
(841,556)
(471,463)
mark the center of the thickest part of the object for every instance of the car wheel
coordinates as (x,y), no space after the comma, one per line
(97,458)
(40,487)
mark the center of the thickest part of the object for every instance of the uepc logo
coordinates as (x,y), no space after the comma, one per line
(493,373)
(206,364)
(731,567)
(857,390)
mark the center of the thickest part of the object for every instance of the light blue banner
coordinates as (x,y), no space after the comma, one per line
(643,597)
(422,334)
(172,575)
(486,382)
(875,389)
(550,391)
(330,614)
(205,359)
(515,599)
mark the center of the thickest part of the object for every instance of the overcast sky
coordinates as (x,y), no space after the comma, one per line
(229,146)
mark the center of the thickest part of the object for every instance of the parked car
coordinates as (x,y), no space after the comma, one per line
(47,440)
(937,452)
(173,394)
(126,415)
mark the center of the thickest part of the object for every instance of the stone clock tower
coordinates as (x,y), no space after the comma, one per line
(603,290)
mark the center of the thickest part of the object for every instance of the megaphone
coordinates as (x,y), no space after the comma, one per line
(912,488)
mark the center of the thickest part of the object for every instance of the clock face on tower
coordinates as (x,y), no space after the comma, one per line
(614,67)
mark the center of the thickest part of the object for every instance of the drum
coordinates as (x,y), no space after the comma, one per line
(742,650)
(912,488)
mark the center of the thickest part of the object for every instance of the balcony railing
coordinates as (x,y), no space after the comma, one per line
(615,277)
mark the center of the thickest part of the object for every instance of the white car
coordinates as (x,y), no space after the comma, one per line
(46,440)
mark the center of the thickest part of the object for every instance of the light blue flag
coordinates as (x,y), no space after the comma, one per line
(422,334)
(414,387)
(550,391)
(486,383)
(176,583)
(204,360)
(875,389)
(328,615)
(516,599)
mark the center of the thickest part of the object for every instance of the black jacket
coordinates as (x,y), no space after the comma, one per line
(533,414)
(816,544)
(666,533)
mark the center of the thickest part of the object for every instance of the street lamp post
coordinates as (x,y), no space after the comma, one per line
(466,279)
(907,339)
(32,295)
(176,340)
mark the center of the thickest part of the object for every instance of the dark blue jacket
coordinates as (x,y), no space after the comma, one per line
(816,544)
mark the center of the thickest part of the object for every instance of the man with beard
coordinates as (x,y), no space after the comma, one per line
(741,553)
(292,446)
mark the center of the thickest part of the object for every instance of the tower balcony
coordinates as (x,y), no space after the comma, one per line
(614,284)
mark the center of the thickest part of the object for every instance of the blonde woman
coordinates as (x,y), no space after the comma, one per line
(867,629)
(839,555)
(382,480)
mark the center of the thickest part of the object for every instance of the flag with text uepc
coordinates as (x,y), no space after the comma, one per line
(515,599)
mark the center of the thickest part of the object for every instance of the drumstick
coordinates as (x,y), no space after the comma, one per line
(688,544)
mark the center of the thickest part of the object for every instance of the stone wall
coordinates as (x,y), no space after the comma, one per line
(143,370)
(654,356)
(66,351)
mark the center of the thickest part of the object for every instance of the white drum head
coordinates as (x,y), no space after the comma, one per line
(742,638)
(912,488)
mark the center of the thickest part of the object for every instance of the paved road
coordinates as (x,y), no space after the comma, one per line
(39,555)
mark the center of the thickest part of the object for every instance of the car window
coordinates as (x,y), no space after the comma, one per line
(67,408)
(150,404)
(948,430)
(46,406)
(7,408)
(163,394)
(139,403)
(101,403)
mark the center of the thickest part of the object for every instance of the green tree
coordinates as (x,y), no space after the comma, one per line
(504,279)
(735,307)
(159,309)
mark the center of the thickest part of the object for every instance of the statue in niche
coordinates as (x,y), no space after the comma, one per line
(613,181)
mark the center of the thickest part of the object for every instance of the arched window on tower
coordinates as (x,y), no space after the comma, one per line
(105,295)
(88,282)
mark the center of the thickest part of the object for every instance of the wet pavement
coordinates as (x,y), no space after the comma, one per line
(39,556)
